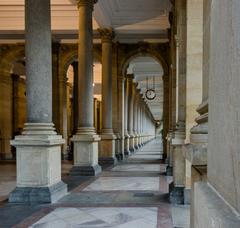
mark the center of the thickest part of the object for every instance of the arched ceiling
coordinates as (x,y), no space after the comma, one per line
(132,20)
(147,67)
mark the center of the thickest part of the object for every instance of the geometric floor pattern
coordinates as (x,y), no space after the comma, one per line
(132,194)
(100,218)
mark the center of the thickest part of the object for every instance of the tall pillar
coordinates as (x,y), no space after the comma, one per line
(138,118)
(135,107)
(121,117)
(107,144)
(55,81)
(5,117)
(85,140)
(196,152)
(141,121)
(39,147)
(193,81)
(126,100)
(15,88)
(177,187)
(130,113)
(75,96)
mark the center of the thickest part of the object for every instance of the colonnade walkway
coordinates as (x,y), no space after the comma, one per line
(132,194)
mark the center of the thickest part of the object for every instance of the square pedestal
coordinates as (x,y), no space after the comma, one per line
(85,155)
(176,194)
(107,150)
(132,144)
(38,169)
(126,146)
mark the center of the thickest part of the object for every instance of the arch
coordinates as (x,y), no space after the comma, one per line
(69,56)
(10,56)
(144,53)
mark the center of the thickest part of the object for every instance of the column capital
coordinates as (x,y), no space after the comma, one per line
(15,77)
(177,40)
(138,91)
(106,34)
(129,77)
(135,85)
(89,3)
(74,64)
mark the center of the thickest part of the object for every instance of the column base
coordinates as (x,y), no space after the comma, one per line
(85,155)
(107,161)
(107,149)
(176,194)
(169,171)
(187,196)
(38,165)
(131,144)
(7,157)
(85,170)
(38,195)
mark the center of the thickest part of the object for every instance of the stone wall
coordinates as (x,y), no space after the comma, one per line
(224,102)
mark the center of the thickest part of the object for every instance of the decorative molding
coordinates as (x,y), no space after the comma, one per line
(106,34)
(88,3)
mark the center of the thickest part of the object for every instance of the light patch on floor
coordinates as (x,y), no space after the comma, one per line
(121,217)
(138,167)
(124,184)
(181,216)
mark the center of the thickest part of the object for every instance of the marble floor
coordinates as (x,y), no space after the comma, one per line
(132,194)
(139,167)
(124,184)
(121,217)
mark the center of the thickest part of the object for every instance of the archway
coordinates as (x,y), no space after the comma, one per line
(145,51)
(69,95)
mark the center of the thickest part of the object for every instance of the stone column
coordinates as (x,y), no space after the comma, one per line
(131,95)
(5,117)
(196,151)
(55,81)
(138,118)
(126,134)
(107,144)
(135,107)
(38,148)
(75,96)
(85,140)
(141,121)
(128,112)
(193,80)
(121,117)
(177,187)
(63,112)
(15,91)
